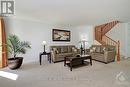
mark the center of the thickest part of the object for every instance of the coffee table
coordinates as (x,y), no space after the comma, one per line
(73,61)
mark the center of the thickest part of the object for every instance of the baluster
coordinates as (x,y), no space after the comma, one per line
(107,41)
(110,24)
(118,51)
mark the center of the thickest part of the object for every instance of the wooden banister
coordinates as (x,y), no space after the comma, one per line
(101,30)
(118,51)
(109,26)
(110,39)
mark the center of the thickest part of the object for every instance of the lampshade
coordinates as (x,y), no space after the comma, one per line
(44,43)
(84,37)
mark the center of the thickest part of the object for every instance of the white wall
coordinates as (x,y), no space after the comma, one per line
(83,31)
(119,32)
(35,33)
(128,40)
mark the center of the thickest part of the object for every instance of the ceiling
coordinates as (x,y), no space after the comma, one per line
(73,12)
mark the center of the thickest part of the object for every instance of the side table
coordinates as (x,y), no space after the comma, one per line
(45,53)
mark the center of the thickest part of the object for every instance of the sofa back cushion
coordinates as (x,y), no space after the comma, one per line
(98,49)
(102,48)
(109,48)
(55,50)
(62,49)
(95,48)
(74,49)
(70,48)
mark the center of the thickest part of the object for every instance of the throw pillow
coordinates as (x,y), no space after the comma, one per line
(55,50)
(98,50)
(103,49)
(94,49)
(74,49)
(91,50)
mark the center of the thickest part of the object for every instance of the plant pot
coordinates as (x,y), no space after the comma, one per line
(15,63)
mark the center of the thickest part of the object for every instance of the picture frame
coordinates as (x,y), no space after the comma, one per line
(60,35)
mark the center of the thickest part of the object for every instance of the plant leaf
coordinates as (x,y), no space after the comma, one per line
(15,46)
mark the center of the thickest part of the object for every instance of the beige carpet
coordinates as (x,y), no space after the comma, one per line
(56,75)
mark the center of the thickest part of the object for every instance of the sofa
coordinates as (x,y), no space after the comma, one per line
(103,53)
(59,52)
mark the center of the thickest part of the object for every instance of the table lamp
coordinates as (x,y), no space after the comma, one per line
(83,43)
(44,43)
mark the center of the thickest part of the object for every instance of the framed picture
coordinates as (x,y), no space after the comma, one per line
(60,35)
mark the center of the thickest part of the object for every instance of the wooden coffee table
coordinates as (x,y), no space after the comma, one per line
(73,61)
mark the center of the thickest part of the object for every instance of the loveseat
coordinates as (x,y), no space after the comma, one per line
(59,52)
(103,53)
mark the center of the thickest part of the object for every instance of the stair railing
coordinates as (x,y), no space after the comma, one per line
(109,26)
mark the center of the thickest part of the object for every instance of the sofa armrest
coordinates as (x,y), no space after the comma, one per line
(53,55)
(109,56)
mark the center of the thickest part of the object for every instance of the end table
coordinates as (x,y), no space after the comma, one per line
(45,53)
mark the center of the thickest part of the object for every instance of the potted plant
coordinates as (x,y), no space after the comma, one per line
(15,47)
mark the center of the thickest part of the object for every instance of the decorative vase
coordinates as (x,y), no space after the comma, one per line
(15,63)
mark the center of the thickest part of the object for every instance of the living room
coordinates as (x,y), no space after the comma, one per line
(35,25)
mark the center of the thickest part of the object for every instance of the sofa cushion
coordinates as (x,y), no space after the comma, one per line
(64,49)
(98,56)
(59,50)
(70,49)
(102,50)
(74,50)
(111,49)
(55,50)
(98,49)
(64,54)
(93,49)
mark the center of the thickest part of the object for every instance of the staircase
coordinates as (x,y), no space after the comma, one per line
(102,38)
